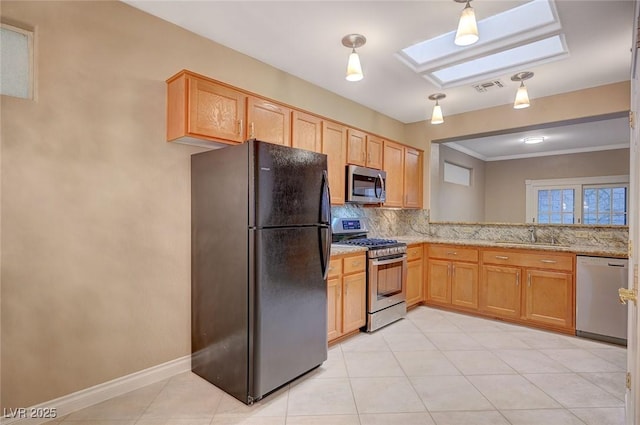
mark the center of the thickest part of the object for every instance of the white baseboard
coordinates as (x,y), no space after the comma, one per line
(98,393)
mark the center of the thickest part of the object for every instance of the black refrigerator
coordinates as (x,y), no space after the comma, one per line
(261,240)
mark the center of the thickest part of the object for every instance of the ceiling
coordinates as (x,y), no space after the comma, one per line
(303,38)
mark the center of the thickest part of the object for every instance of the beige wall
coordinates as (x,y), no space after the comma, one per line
(505,180)
(454,202)
(96,205)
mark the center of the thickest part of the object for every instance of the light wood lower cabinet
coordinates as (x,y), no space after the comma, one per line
(549,298)
(415,277)
(346,296)
(501,291)
(529,286)
(452,278)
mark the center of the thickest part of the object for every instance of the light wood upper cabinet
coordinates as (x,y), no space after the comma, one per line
(356,147)
(334,145)
(202,109)
(374,152)
(306,131)
(268,121)
(393,164)
(412,178)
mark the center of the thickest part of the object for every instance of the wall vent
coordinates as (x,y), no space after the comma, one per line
(488,85)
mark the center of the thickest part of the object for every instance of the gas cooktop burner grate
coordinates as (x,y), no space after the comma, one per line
(369,242)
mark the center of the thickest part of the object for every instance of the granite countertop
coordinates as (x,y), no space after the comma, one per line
(338,249)
(580,250)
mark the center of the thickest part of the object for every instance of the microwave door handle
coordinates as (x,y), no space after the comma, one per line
(381,186)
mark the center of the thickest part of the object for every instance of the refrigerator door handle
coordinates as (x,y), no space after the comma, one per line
(325,200)
(325,219)
(326,254)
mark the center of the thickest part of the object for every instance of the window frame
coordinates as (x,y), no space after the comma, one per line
(532,187)
(31,46)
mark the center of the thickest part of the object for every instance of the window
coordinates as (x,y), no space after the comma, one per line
(605,204)
(456,174)
(556,205)
(16,62)
(589,200)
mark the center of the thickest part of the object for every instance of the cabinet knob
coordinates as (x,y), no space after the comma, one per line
(502,257)
(548,261)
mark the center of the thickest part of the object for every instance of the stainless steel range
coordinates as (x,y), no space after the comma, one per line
(386,271)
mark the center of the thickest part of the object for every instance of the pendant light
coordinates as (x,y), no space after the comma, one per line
(354,68)
(467,32)
(522,96)
(436,115)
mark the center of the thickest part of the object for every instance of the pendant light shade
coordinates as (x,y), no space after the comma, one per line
(522,96)
(354,68)
(467,32)
(436,115)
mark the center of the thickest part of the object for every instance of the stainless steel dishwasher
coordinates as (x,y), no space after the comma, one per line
(599,313)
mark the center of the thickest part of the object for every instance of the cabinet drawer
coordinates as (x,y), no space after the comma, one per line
(335,267)
(540,260)
(450,252)
(414,252)
(354,264)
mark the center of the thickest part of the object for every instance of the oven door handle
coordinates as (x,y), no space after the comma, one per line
(389,261)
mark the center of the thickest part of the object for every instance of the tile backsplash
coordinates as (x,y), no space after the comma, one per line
(387,222)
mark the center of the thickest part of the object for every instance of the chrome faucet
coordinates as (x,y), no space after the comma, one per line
(532,234)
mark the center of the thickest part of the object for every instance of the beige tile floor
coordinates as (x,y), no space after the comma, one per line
(434,367)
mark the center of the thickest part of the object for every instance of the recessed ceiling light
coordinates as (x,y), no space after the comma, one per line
(533,140)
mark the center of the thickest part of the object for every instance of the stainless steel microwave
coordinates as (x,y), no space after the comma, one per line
(365,185)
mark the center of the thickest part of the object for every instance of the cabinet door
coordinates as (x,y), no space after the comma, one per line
(306,132)
(334,145)
(334,308)
(438,287)
(393,164)
(500,291)
(412,178)
(268,121)
(414,282)
(374,152)
(215,111)
(549,298)
(356,147)
(464,285)
(354,313)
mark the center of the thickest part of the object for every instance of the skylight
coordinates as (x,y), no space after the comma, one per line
(502,62)
(442,62)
